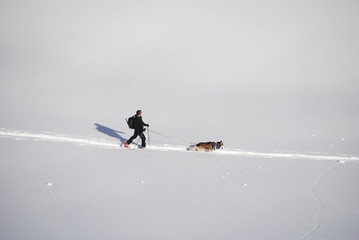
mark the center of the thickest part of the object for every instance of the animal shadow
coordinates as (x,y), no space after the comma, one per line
(110,132)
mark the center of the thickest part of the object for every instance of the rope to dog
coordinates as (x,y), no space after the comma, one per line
(173,138)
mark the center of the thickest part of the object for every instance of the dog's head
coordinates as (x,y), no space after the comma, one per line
(219,145)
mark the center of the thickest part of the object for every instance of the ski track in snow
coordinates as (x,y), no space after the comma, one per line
(319,202)
(101,143)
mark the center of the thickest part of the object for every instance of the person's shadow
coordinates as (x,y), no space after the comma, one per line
(110,132)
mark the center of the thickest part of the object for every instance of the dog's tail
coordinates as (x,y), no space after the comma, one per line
(192,148)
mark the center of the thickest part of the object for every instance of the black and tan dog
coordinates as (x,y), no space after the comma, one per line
(206,146)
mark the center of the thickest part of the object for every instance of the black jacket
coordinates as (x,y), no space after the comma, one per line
(138,124)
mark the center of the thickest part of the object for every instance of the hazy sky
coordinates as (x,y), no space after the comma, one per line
(268,42)
(265,60)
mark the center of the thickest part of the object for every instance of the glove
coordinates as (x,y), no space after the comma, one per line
(147,125)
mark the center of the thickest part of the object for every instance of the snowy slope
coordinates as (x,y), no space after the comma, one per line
(275,80)
(57,190)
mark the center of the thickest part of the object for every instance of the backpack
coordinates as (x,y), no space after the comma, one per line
(131,122)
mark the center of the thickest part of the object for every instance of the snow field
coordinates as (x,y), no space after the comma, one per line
(169,194)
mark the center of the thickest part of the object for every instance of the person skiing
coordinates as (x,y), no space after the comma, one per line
(138,126)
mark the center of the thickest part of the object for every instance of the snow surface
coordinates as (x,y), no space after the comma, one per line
(276,81)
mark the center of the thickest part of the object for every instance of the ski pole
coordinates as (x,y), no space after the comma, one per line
(133,149)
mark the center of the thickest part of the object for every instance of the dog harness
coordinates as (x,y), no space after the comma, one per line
(208,146)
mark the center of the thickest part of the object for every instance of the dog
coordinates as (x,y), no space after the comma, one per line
(206,146)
